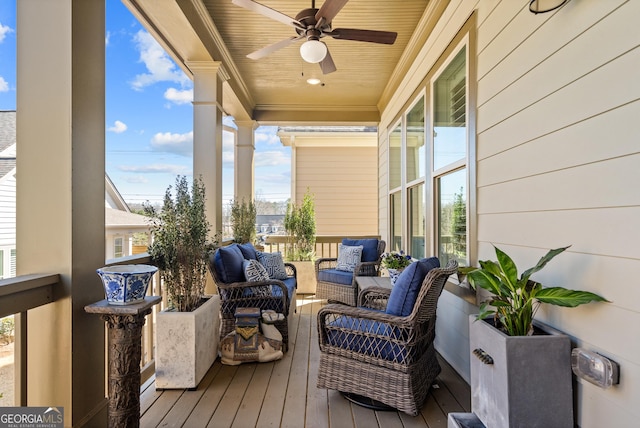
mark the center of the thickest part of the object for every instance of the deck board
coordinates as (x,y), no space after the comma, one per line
(284,393)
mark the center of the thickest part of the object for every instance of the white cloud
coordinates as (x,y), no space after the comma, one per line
(159,66)
(154,169)
(4,30)
(136,179)
(179,96)
(271,158)
(106,38)
(267,135)
(4,86)
(181,144)
(118,127)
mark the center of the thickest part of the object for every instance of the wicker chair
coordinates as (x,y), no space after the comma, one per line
(387,358)
(258,294)
(338,286)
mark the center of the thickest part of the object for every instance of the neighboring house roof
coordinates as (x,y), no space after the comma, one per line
(112,197)
(125,220)
(7,142)
(7,129)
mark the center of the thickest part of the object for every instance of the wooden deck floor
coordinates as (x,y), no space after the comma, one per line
(284,393)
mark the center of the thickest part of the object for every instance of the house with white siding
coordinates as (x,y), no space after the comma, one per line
(525,120)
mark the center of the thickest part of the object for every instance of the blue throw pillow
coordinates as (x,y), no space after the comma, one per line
(248,251)
(348,257)
(274,264)
(228,263)
(405,291)
(369,247)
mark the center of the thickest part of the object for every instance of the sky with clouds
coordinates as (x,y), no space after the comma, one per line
(149,116)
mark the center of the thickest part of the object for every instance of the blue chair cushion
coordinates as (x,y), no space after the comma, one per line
(335,276)
(378,347)
(291,288)
(405,291)
(369,247)
(229,264)
(248,251)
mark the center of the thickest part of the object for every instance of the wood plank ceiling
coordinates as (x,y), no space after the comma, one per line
(275,86)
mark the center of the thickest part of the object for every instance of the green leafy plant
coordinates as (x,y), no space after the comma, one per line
(181,243)
(243,221)
(516,300)
(300,225)
(7,327)
(395,260)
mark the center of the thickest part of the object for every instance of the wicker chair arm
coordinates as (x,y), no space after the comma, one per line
(374,297)
(260,285)
(367,269)
(325,263)
(291,270)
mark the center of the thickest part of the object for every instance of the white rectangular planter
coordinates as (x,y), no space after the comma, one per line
(520,381)
(186,345)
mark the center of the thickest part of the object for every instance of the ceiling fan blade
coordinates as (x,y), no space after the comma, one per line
(372,36)
(328,11)
(267,11)
(261,53)
(327,65)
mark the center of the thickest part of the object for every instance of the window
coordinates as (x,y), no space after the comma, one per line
(431,172)
(117,248)
(450,153)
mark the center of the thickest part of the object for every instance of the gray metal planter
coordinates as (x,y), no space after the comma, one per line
(520,381)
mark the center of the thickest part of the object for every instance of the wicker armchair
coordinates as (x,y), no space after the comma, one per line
(338,286)
(272,294)
(383,357)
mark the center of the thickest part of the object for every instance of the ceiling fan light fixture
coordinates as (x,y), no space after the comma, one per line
(313,51)
(314,81)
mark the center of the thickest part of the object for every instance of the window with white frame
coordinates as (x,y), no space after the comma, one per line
(429,172)
(449,171)
(118,250)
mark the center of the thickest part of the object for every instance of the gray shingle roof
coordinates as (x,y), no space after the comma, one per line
(7,129)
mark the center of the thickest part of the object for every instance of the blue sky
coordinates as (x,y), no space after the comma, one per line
(149,116)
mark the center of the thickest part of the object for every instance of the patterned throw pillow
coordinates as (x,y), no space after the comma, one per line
(274,264)
(253,272)
(348,257)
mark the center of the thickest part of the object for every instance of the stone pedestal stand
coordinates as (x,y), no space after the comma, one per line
(125,333)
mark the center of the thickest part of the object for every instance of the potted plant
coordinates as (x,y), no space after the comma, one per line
(243,221)
(185,347)
(395,262)
(520,371)
(300,227)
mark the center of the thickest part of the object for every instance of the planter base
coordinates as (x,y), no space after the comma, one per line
(520,378)
(464,420)
(186,345)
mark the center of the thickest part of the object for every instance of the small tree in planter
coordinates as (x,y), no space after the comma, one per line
(300,225)
(180,249)
(243,221)
(181,243)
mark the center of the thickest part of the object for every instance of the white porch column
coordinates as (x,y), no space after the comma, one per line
(60,199)
(243,168)
(208,77)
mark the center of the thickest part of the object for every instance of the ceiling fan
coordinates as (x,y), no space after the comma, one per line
(313,24)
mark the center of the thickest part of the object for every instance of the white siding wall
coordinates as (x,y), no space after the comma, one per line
(8,210)
(558,163)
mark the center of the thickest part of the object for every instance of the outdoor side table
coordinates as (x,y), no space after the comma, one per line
(125,333)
